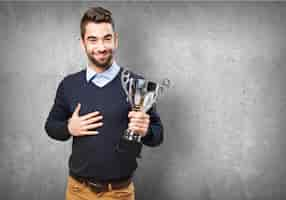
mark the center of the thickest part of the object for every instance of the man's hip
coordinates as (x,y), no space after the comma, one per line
(78,189)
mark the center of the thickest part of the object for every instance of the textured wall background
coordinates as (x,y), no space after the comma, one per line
(224,115)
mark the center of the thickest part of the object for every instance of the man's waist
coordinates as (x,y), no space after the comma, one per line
(103,185)
(102,181)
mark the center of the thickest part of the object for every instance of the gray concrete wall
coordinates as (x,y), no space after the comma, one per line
(224,114)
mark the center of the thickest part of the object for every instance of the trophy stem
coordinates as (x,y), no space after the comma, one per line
(136,108)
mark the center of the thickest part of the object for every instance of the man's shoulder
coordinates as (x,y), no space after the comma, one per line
(74,77)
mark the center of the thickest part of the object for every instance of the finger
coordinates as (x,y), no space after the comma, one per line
(131,114)
(89,115)
(92,120)
(136,114)
(141,131)
(93,126)
(136,125)
(76,111)
(140,115)
(139,120)
(83,133)
(145,116)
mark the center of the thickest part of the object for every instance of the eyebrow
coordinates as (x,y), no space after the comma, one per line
(94,37)
(108,35)
(91,37)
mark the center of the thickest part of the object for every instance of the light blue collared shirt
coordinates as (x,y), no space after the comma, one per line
(103,78)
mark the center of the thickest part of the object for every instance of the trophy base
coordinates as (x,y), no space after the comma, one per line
(130,144)
(131,136)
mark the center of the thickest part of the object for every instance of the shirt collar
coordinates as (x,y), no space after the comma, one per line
(108,74)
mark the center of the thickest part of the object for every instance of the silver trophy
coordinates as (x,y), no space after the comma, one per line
(141,94)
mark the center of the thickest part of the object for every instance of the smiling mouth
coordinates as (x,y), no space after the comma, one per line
(102,58)
(101,55)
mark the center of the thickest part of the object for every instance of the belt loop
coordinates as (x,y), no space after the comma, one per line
(109,187)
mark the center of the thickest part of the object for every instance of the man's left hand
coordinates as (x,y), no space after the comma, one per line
(138,122)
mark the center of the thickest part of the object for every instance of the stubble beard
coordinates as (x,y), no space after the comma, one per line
(101,65)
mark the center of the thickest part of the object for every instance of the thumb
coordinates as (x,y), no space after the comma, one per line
(131,114)
(76,111)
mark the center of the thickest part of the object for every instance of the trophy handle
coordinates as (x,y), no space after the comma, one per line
(152,97)
(165,84)
(149,100)
(125,80)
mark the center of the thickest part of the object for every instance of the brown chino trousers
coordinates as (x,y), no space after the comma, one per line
(80,191)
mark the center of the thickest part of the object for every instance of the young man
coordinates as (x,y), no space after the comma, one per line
(91,107)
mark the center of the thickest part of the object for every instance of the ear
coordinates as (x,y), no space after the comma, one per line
(116,40)
(82,43)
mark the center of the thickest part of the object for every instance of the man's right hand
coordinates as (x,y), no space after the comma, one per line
(80,125)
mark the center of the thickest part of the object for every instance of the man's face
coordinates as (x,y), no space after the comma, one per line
(99,43)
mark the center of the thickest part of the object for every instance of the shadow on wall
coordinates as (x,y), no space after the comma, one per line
(160,170)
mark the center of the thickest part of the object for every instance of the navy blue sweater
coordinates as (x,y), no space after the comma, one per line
(95,157)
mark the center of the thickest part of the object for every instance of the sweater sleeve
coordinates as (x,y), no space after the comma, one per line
(154,136)
(56,123)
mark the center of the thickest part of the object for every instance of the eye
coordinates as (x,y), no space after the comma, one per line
(92,39)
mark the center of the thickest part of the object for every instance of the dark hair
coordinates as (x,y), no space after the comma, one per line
(96,15)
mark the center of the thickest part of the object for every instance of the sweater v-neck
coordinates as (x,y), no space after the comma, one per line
(105,86)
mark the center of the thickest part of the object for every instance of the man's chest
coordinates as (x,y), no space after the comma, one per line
(109,101)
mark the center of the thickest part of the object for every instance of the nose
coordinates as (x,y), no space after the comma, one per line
(101,46)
